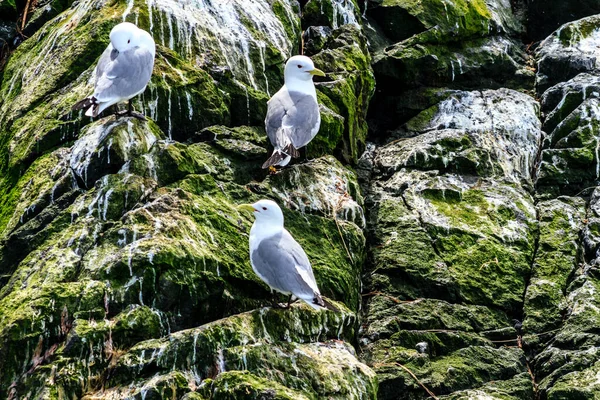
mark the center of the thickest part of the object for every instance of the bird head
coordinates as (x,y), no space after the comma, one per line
(127,36)
(265,211)
(124,36)
(302,68)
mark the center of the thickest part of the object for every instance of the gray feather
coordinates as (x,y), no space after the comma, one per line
(291,118)
(276,259)
(122,75)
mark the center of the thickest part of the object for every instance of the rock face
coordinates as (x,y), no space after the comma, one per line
(125,270)
(449,208)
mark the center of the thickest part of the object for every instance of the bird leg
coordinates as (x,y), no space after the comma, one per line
(284,306)
(130,113)
(303,154)
(116,111)
(290,302)
(274,302)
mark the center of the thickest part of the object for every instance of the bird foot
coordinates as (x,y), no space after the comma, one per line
(128,113)
(306,161)
(282,306)
(138,115)
(272,170)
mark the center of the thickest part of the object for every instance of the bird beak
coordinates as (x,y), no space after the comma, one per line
(316,72)
(246,207)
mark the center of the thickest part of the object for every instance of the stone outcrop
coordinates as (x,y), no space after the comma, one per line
(449,205)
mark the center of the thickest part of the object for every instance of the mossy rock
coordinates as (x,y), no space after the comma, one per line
(518,388)
(490,62)
(233,385)
(557,256)
(443,21)
(569,159)
(265,344)
(465,368)
(346,61)
(459,237)
(567,52)
(563,98)
(330,13)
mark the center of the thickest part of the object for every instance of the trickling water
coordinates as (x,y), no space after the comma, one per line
(106,198)
(194,345)
(84,149)
(123,240)
(235,30)
(221,361)
(132,249)
(189,104)
(57,35)
(141,280)
(128,9)
(151,166)
(343,10)
(110,142)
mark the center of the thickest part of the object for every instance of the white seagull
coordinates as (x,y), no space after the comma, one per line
(293,117)
(278,259)
(123,70)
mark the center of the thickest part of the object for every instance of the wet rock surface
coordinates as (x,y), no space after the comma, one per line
(449,205)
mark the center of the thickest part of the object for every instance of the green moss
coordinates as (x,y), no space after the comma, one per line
(233,385)
(487,272)
(577,385)
(518,388)
(489,61)
(34,186)
(465,368)
(291,25)
(183,98)
(464,253)
(148,241)
(576,31)
(386,317)
(315,369)
(473,17)
(49,93)
(331,130)
(349,65)
(298,324)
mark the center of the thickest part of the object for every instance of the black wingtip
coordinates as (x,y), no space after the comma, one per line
(85,103)
(275,158)
(319,300)
(291,150)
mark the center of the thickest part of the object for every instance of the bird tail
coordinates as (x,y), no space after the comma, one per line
(323,303)
(280,155)
(275,158)
(90,102)
(291,150)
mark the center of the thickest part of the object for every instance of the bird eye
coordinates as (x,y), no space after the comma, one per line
(129,41)
(299,66)
(264,208)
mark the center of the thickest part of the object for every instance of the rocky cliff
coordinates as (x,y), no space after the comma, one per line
(450,207)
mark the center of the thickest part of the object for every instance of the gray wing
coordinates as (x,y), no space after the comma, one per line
(123,75)
(283,264)
(105,58)
(291,117)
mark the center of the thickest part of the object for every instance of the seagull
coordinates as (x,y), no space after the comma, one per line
(278,259)
(123,70)
(293,117)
